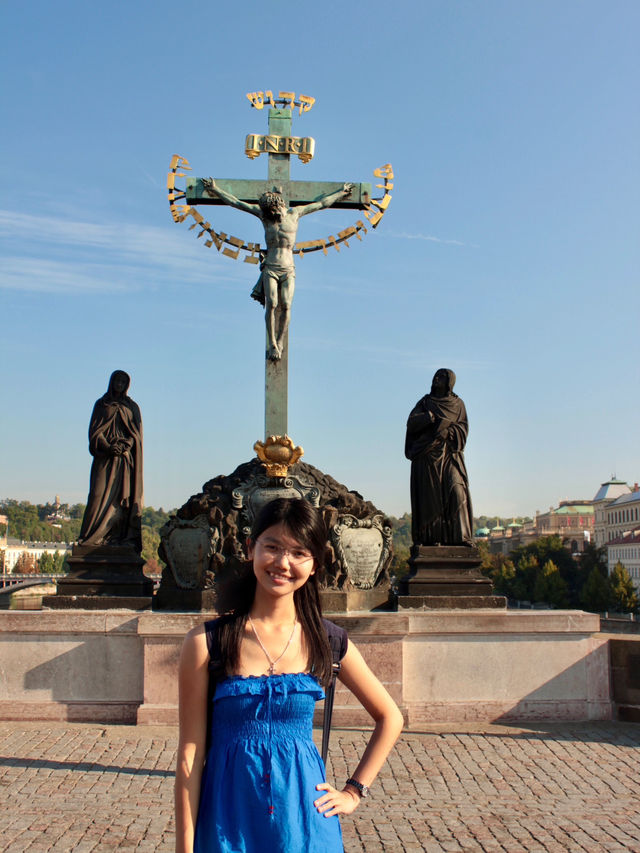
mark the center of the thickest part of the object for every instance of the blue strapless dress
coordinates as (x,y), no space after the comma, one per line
(259,780)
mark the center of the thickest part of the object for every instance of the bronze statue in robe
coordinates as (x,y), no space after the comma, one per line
(114,507)
(437,431)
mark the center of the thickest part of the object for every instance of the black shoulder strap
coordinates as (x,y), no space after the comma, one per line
(214,666)
(338,641)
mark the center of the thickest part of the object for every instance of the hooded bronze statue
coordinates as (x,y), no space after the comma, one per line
(114,507)
(437,431)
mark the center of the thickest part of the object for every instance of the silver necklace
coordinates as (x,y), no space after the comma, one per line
(272,663)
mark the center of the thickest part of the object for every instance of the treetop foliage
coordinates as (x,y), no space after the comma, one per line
(545,571)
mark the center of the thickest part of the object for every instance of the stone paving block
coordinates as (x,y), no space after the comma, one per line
(84,788)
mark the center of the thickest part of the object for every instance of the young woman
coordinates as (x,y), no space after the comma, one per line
(262,787)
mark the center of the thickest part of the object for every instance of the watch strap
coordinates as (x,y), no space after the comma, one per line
(363,790)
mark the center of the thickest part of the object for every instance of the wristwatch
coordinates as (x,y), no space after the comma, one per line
(363,790)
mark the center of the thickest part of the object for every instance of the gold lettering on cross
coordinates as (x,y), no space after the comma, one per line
(302,146)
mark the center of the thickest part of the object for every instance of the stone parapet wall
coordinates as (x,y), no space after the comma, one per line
(439,666)
(70,665)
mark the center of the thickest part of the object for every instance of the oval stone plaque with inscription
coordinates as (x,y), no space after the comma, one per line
(363,547)
(189,545)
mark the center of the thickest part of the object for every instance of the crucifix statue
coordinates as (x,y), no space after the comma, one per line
(279,203)
(277,280)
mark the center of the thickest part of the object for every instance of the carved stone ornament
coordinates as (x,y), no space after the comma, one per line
(189,545)
(363,547)
(277,454)
(252,495)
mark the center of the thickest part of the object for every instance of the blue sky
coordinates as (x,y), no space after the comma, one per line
(509,252)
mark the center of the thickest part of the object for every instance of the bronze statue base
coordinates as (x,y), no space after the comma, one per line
(446,577)
(102,577)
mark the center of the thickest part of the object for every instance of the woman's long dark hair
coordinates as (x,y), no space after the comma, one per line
(304,524)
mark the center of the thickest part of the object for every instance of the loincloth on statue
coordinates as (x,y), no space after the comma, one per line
(280,272)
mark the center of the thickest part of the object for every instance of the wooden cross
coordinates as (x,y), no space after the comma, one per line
(294,193)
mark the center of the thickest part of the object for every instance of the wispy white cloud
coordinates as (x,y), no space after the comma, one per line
(45,275)
(429,238)
(51,253)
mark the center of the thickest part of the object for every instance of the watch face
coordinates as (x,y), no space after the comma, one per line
(360,788)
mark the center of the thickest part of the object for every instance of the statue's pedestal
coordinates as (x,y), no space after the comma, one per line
(102,577)
(353,600)
(446,577)
(172,597)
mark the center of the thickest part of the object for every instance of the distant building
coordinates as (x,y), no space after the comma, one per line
(504,540)
(11,551)
(572,521)
(58,515)
(605,496)
(622,515)
(626,550)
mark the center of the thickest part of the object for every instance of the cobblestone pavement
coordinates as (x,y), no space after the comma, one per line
(576,787)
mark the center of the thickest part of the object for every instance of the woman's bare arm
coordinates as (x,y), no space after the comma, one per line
(356,675)
(193,680)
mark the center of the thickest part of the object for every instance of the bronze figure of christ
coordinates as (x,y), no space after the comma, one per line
(276,284)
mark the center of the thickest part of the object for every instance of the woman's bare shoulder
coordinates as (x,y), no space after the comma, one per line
(194,646)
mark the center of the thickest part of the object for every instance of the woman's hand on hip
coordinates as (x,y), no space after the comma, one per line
(336,802)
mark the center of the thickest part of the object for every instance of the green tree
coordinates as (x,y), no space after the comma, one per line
(503,579)
(551,548)
(596,592)
(401,545)
(488,563)
(550,586)
(154,518)
(77,511)
(28,522)
(592,592)
(498,568)
(593,557)
(150,542)
(51,564)
(623,594)
(524,581)
(45,564)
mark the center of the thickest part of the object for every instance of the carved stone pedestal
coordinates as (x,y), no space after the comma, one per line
(353,600)
(206,540)
(101,578)
(444,577)
(182,600)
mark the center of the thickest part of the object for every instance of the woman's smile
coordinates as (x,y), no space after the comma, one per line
(279,577)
